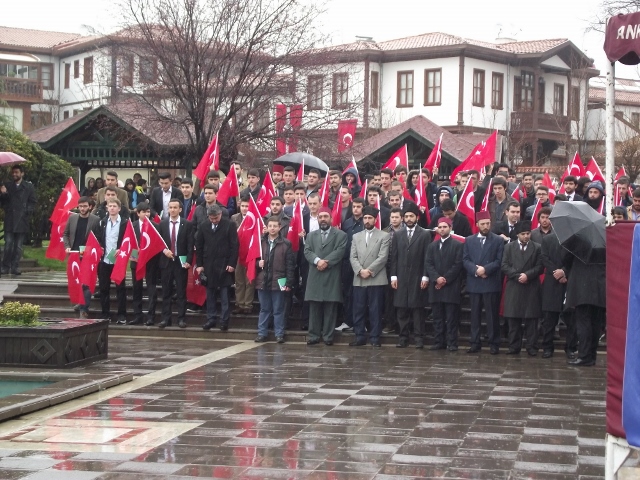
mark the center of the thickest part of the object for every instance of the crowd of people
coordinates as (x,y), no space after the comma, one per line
(388,266)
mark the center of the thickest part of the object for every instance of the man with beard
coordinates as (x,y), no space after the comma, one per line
(368,256)
(570,183)
(409,276)
(544,226)
(595,196)
(506,229)
(633,212)
(482,259)
(444,266)
(324,250)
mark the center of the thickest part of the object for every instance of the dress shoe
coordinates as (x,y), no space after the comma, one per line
(437,347)
(5,271)
(473,350)
(209,325)
(149,323)
(376,344)
(452,348)
(570,355)
(182,324)
(260,339)
(547,354)
(84,314)
(581,362)
(532,352)
(402,344)
(122,320)
(313,342)
(237,310)
(357,343)
(513,352)
(279,339)
(328,343)
(347,330)
(135,321)
(419,345)
(246,311)
(304,327)
(164,324)
(494,351)
(16,272)
(224,328)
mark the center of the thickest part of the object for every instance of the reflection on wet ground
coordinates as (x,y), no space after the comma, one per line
(293,412)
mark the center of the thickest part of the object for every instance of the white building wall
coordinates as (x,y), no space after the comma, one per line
(486,117)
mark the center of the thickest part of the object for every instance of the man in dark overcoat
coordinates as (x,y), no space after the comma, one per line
(444,268)
(409,276)
(522,267)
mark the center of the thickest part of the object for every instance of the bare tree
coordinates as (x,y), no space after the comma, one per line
(609,8)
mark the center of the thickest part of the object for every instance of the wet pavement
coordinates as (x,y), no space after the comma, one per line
(217,409)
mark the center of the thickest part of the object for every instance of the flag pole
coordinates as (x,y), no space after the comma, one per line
(610,140)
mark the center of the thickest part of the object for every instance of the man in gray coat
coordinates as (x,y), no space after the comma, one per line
(369,254)
(324,249)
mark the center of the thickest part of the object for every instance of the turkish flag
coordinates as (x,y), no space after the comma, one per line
(517,195)
(73,278)
(267,192)
(192,210)
(129,243)
(534,218)
(151,244)
(546,180)
(482,155)
(400,157)
(324,192)
(405,193)
(211,157)
(420,195)
(593,172)
(433,162)
(229,187)
(281,121)
(56,249)
(295,120)
(156,219)
(363,190)
(621,173)
(300,174)
(352,164)
(601,207)
(196,293)
(346,134)
(295,226)
(336,213)
(617,199)
(472,162)
(487,195)
(575,168)
(378,217)
(67,200)
(249,234)
(466,205)
(90,261)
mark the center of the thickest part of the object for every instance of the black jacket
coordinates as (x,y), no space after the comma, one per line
(18,203)
(155,199)
(217,251)
(184,242)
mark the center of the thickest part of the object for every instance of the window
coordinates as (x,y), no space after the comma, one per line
(541,94)
(517,94)
(46,76)
(126,71)
(314,92)
(261,118)
(558,99)
(526,92)
(404,96)
(433,86)
(375,89)
(67,74)
(148,70)
(65,114)
(340,90)
(76,69)
(497,87)
(76,112)
(40,119)
(88,70)
(635,119)
(478,88)
(575,103)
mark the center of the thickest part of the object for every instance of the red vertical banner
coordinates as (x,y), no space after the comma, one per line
(295,120)
(281,121)
(346,134)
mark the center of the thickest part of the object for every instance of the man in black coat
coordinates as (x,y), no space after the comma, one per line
(160,196)
(217,248)
(444,268)
(175,262)
(506,228)
(18,199)
(409,276)
(459,222)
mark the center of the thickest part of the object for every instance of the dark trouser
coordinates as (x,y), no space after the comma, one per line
(151,278)
(304,273)
(322,320)
(569,320)
(12,250)
(87,299)
(549,324)
(408,317)
(589,319)
(446,314)
(390,320)
(368,299)
(212,313)
(347,292)
(516,330)
(104,277)
(491,303)
(174,272)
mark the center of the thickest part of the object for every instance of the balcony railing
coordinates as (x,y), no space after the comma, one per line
(20,90)
(539,122)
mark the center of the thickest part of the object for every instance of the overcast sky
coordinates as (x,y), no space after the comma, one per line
(382,20)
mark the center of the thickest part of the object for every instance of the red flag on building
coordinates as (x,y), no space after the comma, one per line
(400,157)
(90,261)
(129,243)
(211,157)
(336,213)
(151,244)
(267,192)
(621,173)
(352,164)
(295,226)
(295,120)
(281,122)
(575,168)
(196,293)
(534,219)
(324,192)
(433,162)
(56,250)
(346,133)
(546,180)
(466,205)
(487,195)
(73,279)
(229,187)
(593,172)
(67,200)
(363,191)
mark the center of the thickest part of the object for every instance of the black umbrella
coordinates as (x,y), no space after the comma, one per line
(295,159)
(581,230)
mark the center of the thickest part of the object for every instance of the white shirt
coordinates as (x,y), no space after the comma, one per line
(166,197)
(111,238)
(313,224)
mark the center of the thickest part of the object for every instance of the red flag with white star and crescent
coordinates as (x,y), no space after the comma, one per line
(67,200)
(56,249)
(466,206)
(128,245)
(90,261)
(346,133)
(151,244)
(73,278)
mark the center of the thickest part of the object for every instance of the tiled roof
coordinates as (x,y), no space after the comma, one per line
(456,146)
(28,38)
(622,97)
(533,46)
(44,134)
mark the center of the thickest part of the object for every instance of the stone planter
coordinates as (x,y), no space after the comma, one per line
(62,343)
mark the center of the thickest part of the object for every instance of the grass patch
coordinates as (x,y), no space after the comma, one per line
(38,254)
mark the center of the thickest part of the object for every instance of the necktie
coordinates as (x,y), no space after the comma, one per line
(214,226)
(173,238)
(324,236)
(482,242)
(410,233)
(522,247)
(368,238)
(510,228)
